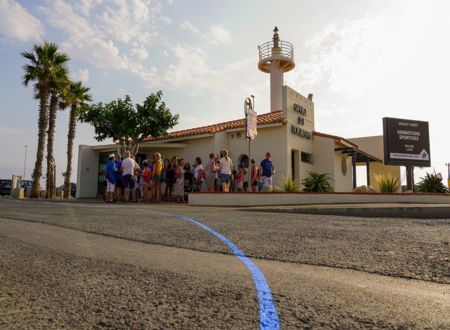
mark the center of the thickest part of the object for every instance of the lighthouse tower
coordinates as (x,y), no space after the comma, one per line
(276,57)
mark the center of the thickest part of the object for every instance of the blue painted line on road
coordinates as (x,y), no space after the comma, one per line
(268,315)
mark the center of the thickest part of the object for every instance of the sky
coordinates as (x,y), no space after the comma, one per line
(362,60)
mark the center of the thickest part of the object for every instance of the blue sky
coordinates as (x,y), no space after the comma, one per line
(362,60)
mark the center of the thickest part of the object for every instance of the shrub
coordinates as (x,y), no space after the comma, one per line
(387,183)
(432,183)
(317,182)
(290,185)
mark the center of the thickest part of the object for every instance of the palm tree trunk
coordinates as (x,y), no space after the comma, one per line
(51,180)
(70,138)
(42,124)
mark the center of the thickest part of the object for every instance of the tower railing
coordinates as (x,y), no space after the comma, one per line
(286,50)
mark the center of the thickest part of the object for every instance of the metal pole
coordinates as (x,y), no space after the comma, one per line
(25,161)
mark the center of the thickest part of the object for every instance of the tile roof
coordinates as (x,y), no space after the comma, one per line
(264,119)
(335,137)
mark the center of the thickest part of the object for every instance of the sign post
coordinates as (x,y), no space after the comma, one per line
(407,143)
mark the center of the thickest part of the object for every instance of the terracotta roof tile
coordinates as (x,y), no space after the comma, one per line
(264,119)
(334,137)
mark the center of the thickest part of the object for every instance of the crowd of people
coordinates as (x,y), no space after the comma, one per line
(158,179)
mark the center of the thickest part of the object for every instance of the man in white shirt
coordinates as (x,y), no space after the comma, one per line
(129,167)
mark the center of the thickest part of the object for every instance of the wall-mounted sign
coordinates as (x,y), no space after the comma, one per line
(300,132)
(406,142)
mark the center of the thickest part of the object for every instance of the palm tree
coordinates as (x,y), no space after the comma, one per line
(76,96)
(45,61)
(60,81)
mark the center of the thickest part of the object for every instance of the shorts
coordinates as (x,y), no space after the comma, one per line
(266,180)
(211,181)
(255,183)
(118,182)
(225,178)
(110,186)
(156,178)
(128,181)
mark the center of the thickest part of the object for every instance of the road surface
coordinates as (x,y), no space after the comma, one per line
(90,265)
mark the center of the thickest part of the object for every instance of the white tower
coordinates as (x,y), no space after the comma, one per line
(276,57)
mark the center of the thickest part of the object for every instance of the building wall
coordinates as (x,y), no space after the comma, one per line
(326,160)
(374,145)
(87,174)
(269,139)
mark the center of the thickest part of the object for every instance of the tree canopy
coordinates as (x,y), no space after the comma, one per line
(128,124)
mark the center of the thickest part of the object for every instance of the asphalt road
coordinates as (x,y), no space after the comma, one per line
(88,265)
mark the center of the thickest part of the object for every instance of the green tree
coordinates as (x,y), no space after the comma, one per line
(129,125)
(44,64)
(76,97)
(59,83)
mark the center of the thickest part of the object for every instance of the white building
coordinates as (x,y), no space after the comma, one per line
(287,132)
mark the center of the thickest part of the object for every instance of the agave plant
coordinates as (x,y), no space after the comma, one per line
(387,183)
(432,183)
(317,182)
(289,185)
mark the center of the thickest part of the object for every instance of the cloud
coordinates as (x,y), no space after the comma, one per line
(81,75)
(218,35)
(186,25)
(140,53)
(16,23)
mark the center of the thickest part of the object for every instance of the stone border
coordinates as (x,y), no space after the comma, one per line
(301,198)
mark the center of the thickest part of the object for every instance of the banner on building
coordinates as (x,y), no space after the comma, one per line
(252,118)
(406,142)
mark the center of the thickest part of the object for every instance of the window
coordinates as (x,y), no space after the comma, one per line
(307,158)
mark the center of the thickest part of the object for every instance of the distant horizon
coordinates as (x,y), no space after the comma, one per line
(362,61)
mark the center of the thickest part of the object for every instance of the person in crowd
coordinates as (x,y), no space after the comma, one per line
(179,177)
(226,168)
(137,184)
(233,181)
(254,175)
(239,179)
(188,177)
(118,178)
(156,177)
(110,178)
(129,167)
(166,165)
(170,177)
(198,174)
(267,170)
(210,173)
(146,178)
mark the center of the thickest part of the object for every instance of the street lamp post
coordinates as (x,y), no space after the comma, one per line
(25,161)
(448,174)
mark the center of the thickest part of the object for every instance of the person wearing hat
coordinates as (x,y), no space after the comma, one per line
(110,178)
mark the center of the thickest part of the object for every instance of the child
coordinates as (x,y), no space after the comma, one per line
(179,181)
(146,175)
(156,177)
(239,178)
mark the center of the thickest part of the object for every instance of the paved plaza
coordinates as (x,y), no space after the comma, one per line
(93,265)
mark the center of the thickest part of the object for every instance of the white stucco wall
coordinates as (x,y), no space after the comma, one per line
(295,142)
(87,173)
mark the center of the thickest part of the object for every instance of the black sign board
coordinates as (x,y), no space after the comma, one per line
(406,142)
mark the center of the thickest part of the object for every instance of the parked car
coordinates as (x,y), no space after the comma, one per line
(5,186)
(73,189)
(26,184)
